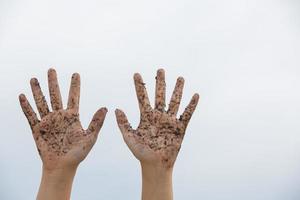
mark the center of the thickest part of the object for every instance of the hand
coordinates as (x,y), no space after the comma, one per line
(157,140)
(60,139)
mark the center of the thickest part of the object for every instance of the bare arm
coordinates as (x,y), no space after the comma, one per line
(61,141)
(157,140)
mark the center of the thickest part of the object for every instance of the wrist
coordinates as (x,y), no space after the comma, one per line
(56,183)
(156,173)
(59,175)
(156,182)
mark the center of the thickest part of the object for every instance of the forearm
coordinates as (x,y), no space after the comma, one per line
(56,184)
(156,183)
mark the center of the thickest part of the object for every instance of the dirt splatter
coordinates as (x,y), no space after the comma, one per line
(59,136)
(160,133)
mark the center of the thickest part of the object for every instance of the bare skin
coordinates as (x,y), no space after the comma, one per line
(157,140)
(61,141)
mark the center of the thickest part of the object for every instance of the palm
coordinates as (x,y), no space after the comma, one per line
(158,138)
(59,136)
(162,136)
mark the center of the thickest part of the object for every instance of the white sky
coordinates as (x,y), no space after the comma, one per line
(241,56)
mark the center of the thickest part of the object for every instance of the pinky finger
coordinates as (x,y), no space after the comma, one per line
(189,110)
(28,111)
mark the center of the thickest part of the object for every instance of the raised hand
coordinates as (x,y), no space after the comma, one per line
(157,139)
(60,139)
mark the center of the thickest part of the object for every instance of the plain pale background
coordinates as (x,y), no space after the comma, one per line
(243,141)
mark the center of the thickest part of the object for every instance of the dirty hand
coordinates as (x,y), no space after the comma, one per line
(60,139)
(157,140)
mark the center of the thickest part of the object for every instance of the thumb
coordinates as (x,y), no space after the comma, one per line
(97,122)
(123,122)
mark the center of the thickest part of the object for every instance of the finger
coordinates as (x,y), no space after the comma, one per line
(28,111)
(176,97)
(39,97)
(123,122)
(188,112)
(97,122)
(54,91)
(74,93)
(160,90)
(141,93)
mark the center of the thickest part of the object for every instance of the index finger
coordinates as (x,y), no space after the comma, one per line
(141,93)
(74,93)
